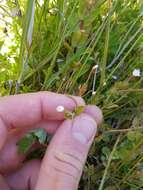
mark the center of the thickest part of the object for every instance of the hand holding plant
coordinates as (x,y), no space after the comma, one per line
(66,154)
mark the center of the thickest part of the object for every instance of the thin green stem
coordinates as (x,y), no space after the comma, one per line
(108,164)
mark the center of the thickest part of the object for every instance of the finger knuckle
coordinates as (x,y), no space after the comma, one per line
(68,163)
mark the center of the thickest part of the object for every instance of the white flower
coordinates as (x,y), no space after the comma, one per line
(115,77)
(59,60)
(95,67)
(60,108)
(64,79)
(94,93)
(137,73)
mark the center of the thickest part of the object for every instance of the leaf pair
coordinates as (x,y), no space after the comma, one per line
(78,110)
(38,135)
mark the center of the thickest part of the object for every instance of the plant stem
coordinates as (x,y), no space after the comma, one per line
(106,47)
(124,130)
(108,164)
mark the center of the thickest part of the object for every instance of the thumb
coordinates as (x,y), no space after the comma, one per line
(3,133)
(64,160)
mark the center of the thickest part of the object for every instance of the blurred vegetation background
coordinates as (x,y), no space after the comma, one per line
(89,48)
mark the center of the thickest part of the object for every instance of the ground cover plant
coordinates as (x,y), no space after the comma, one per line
(90,48)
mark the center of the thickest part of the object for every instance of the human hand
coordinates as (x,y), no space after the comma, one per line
(62,165)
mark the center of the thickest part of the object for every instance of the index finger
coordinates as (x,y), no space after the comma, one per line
(28,109)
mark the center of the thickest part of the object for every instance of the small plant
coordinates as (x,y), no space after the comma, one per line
(40,135)
(70,115)
(35,136)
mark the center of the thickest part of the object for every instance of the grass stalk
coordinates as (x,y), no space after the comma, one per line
(108,164)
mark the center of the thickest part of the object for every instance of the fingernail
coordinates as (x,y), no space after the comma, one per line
(84,128)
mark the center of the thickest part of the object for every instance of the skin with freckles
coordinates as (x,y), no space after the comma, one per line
(62,165)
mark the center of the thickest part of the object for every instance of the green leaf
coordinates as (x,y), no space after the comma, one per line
(106,151)
(82,8)
(134,135)
(69,115)
(131,135)
(29,21)
(79,110)
(25,143)
(76,38)
(41,135)
(26,39)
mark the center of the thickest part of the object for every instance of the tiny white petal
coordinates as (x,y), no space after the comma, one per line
(137,73)
(115,77)
(60,109)
(59,60)
(93,93)
(95,67)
